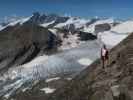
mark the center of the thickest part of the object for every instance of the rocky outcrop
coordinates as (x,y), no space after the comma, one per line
(84,36)
(102,27)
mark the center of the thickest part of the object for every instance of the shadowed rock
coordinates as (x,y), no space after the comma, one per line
(102,27)
(19,44)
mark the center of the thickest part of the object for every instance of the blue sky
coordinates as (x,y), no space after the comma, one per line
(85,8)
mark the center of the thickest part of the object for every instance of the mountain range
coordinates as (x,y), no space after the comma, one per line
(41,53)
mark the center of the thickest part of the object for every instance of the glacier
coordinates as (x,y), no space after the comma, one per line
(44,67)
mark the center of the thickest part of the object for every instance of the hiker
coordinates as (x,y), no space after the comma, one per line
(104,56)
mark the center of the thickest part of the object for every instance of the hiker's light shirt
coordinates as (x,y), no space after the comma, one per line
(104,51)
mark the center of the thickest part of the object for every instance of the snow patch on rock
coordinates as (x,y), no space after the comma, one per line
(48,90)
(69,79)
(85,61)
(52,79)
(47,24)
(54,31)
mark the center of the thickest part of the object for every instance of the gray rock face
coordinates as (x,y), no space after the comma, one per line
(102,27)
(84,36)
(21,43)
(38,18)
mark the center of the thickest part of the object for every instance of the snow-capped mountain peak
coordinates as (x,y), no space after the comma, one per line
(47,24)
(13,23)
(20,21)
(77,22)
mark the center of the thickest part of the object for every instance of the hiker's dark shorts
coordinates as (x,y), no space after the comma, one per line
(104,58)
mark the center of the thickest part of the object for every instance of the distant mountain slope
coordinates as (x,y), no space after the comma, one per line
(94,83)
(21,43)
